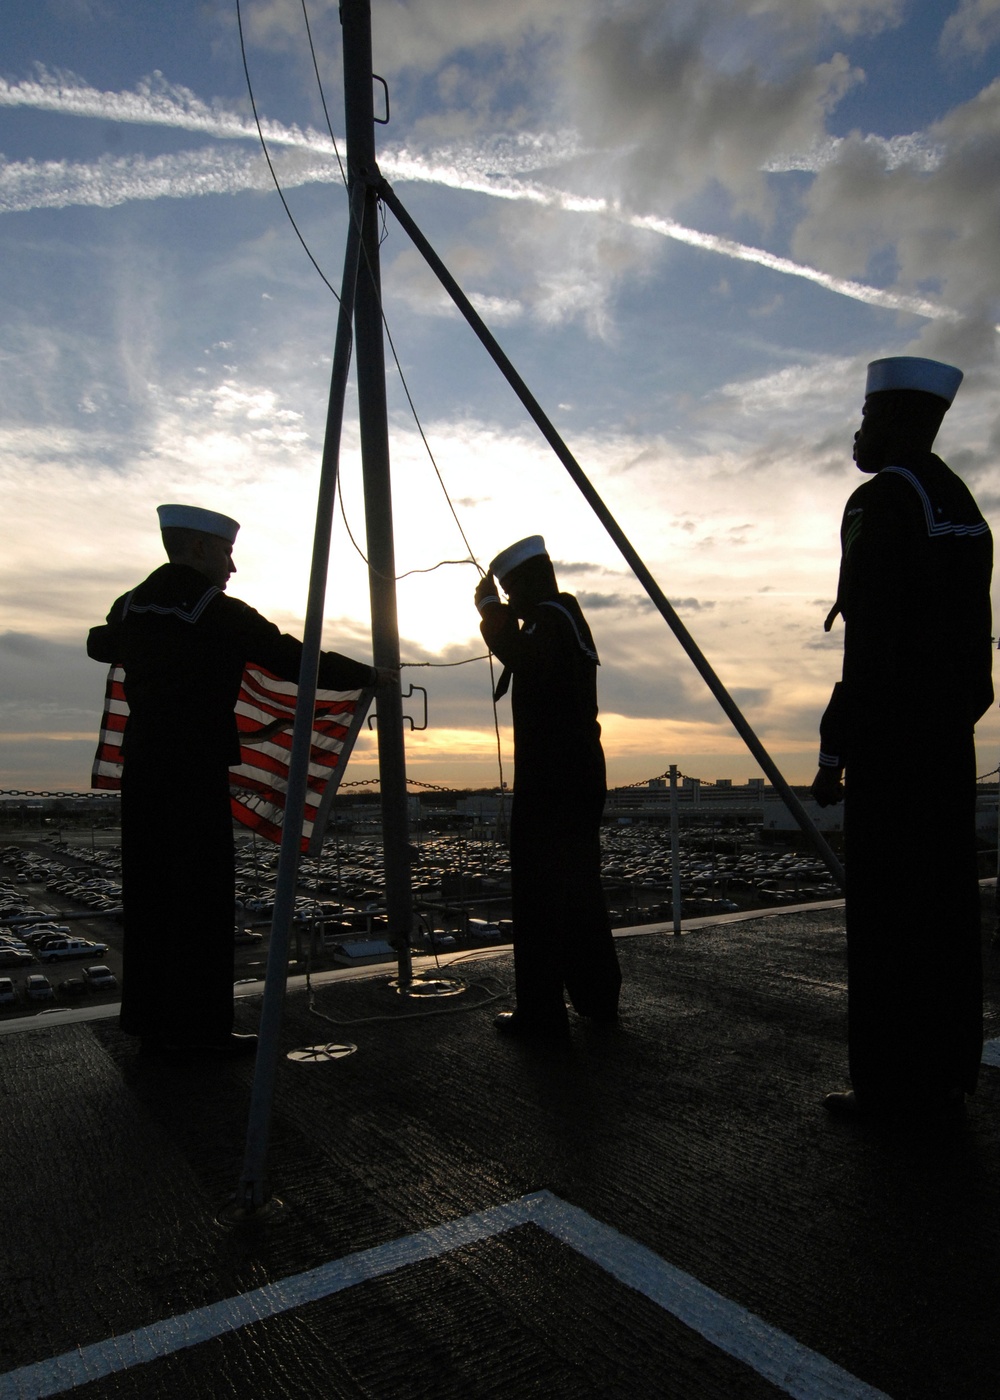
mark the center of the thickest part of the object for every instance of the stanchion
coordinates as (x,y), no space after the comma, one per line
(675,850)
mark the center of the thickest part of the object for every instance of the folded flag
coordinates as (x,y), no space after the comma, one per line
(265,713)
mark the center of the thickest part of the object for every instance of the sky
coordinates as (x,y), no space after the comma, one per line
(690,226)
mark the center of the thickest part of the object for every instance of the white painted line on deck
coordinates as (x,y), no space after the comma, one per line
(773,1354)
(796,1370)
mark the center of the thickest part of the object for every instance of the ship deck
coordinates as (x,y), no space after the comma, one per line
(659,1210)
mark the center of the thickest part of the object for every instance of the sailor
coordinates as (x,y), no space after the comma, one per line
(562,933)
(914,592)
(183,644)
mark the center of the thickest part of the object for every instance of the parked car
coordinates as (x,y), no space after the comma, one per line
(99,976)
(8,993)
(14,957)
(71,948)
(72,989)
(482,928)
(38,988)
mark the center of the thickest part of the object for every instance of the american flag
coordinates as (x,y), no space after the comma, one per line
(265,712)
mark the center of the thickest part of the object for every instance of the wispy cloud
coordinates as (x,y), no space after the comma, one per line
(154,102)
(894,152)
(113,180)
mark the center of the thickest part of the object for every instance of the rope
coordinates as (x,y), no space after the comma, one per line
(267,157)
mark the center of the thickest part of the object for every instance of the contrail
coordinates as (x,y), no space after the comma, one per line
(858,291)
(409,167)
(306,159)
(155,102)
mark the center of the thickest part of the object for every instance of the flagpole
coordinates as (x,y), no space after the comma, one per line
(355,16)
(254,1191)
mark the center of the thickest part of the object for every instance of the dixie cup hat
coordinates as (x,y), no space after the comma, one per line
(912,372)
(208,522)
(515,554)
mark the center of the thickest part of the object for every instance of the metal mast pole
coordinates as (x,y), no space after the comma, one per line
(253,1191)
(355,18)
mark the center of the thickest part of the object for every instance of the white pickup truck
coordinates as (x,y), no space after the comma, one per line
(72,948)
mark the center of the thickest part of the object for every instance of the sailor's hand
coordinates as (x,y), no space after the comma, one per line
(828,787)
(487,593)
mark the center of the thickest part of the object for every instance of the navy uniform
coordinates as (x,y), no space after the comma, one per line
(183,645)
(914,592)
(562,933)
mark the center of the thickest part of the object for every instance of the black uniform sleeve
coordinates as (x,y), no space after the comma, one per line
(261,641)
(834,740)
(338,672)
(104,643)
(881,561)
(543,649)
(545,657)
(100,644)
(501,634)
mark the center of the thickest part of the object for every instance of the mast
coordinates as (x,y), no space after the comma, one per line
(355,17)
(360,303)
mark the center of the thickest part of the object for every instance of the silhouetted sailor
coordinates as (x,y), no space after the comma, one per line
(562,933)
(915,597)
(183,645)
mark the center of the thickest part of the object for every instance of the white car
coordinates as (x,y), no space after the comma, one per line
(38,988)
(71,948)
(7,992)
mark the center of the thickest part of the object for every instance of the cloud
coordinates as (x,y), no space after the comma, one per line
(936,228)
(691,605)
(611,602)
(815,391)
(702,93)
(114,180)
(50,712)
(972,29)
(558,224)
(914,149)
(577,567)
(492,170)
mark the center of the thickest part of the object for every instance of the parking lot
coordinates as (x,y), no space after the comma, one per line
(461,887)
(64,946)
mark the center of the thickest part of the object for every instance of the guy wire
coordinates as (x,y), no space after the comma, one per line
(267,157)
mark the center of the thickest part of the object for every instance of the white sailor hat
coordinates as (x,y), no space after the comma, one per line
(912,372)
(515,554)
(208,522)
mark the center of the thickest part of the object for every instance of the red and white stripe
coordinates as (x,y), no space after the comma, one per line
(265,712)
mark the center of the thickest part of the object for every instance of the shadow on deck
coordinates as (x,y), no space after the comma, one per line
(663,1209)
